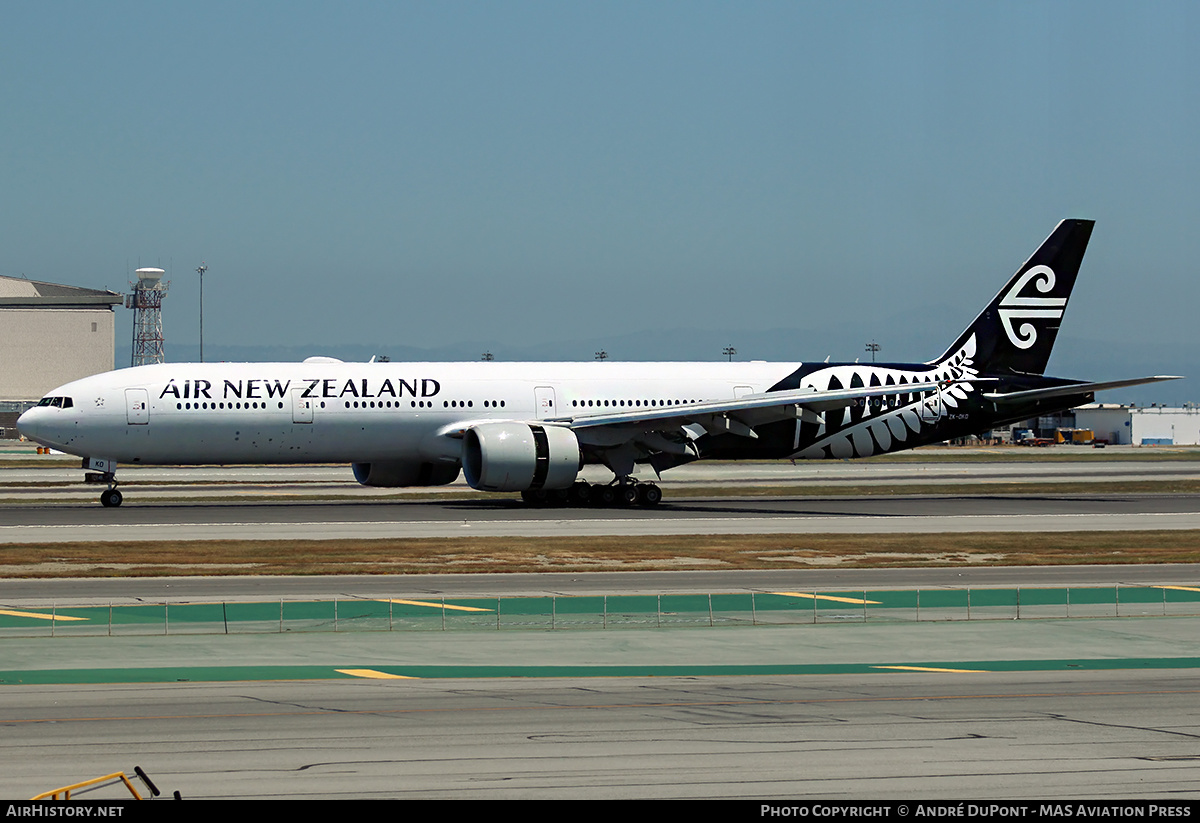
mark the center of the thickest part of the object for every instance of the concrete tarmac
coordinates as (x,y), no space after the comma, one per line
(1007,729)
(22,593)
(1002,730)
(505,517)
(48,504)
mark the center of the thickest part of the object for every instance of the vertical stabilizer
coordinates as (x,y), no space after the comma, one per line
(1015,333)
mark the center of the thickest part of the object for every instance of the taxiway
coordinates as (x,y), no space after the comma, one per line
(987,709)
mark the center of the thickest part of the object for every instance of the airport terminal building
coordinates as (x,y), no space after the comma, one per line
(50,335)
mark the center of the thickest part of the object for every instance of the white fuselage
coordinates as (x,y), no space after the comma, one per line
(353,412)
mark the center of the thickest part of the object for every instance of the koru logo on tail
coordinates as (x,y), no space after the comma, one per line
(1015,307)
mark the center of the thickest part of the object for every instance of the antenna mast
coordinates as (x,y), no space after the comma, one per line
(146,302)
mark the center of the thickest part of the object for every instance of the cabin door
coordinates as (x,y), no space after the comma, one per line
(543,399)
(137,407)
(933,408)
(302,407)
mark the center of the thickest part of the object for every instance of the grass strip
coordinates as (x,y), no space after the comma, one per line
(460,555)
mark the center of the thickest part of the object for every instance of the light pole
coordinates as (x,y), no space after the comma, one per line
(602,355)
(201,270)
(729,351)
(873,347)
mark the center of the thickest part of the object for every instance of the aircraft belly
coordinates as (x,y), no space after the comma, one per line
(343,440)
(181,441)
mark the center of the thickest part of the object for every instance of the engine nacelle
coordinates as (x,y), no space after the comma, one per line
(394,475)
(516,457)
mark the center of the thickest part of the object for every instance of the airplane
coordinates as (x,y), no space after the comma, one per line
(531,427)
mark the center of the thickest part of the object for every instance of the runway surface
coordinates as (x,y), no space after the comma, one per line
(298,480)
(60,479)
(448,518)
(48,504)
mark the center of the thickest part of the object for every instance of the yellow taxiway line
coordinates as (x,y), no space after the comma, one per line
(438,605)
(830,598)
(932,669)
(373,675)
(39,615)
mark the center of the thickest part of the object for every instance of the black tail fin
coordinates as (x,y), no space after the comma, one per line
(1015,333)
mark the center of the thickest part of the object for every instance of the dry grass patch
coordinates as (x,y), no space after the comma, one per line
(566,554)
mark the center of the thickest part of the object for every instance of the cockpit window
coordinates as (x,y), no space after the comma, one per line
(57,402)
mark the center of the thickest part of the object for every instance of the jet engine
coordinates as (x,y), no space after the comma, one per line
(405,474)
(514,457)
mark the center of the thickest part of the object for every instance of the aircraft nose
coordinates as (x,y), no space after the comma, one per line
(27,423)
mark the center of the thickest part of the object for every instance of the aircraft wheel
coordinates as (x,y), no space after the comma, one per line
(606,496)
(627,495)
(535,497)
(581,493)
(110,499)
(649,494)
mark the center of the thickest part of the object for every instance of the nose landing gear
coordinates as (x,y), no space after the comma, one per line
(103,471)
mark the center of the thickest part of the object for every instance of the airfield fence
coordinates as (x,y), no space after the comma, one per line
(556,613)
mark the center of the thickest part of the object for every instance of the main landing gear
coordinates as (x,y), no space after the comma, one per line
(623,491)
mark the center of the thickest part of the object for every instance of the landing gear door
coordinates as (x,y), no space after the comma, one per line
(543,398)
(302,407)
(932,407)
(137,407)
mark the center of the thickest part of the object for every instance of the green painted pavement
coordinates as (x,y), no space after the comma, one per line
(613,611)
(194,674)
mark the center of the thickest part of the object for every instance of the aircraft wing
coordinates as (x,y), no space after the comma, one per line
(1072,388)
(666,435)
(736,416)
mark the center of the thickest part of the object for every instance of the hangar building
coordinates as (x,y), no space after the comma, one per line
(1141,425)
(50,335)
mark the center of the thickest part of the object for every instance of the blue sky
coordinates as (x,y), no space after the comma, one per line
(419,174)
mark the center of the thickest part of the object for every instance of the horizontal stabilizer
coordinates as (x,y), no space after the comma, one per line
(1073,388)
